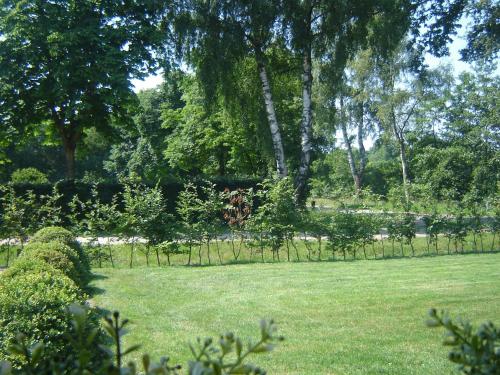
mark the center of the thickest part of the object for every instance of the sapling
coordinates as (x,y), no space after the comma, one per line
(211,217)
(50,209)
(19,218)
(189,207)
(129,225)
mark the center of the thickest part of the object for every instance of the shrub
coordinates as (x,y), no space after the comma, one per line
(60,257)
(474,352)
(34,303)
(29,176)
(30,264)
(50,234)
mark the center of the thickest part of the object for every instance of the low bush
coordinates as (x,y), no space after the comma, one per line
(59,256)
(475,352)
(34,303)
(50,234)
(29,176)
(30,264)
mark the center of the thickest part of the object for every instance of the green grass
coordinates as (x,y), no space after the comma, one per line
(363,317)
(121,253)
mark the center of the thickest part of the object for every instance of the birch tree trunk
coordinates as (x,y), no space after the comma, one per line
(347,141)
(305,127)
(398,133)
(279,153)
(361,146)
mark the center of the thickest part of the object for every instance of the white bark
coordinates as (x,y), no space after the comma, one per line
(279,153)
(305,127)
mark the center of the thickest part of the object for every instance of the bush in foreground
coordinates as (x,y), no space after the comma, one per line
(34,303)
(476,353)
(225,356)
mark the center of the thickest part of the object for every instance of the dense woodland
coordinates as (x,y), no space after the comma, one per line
(253,89)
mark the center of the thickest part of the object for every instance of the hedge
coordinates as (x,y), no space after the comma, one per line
(50,234)
(61,257)
(34,303)
(106,191)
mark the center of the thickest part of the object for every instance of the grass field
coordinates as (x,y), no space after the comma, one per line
(363,317)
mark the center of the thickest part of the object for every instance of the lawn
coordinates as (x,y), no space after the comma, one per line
(360,317)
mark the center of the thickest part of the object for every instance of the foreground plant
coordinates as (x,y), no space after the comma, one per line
(225,356)
(476,353)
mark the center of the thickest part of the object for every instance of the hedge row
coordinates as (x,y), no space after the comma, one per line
(51,273)
(106,191)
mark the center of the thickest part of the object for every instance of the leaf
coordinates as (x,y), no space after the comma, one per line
(131,349)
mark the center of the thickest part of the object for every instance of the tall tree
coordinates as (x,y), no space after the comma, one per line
(334,31)
(69,63)
(218,35)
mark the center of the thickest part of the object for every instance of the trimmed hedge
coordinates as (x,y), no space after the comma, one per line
(51,234)
(106,191)
(57,259)
(30,264)
(61,257)
(35,304)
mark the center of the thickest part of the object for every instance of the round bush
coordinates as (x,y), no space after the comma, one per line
(59,256)
(29,264)
(50,234)
(29,176)
(34,303)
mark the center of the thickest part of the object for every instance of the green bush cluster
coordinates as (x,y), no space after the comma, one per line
(35,292)
(65,242)
(34,303)
(64,236)
(29,176)
(59,256)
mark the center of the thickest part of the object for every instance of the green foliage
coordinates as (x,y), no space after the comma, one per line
(59,256)
(31,264)
(228,357)
(54,233)
(19,214)
(82,79)
(50,210)
(34,303)
(189,208)
(343,233)
(475,353)
(28,176)
(64,236)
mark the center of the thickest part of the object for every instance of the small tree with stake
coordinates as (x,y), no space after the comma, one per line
(189,206)
(212,217)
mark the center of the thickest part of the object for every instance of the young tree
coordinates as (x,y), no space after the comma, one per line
(189,207)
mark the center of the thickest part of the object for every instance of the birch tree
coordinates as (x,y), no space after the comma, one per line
(333,31)
(218,35)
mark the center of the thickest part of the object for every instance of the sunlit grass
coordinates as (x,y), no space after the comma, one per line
(363,317)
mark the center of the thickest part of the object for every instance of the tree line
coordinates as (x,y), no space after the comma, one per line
(263,88)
